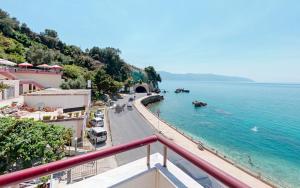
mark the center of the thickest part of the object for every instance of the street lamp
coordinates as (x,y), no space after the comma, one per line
(158,113)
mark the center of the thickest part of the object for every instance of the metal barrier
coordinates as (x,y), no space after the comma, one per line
(42,170)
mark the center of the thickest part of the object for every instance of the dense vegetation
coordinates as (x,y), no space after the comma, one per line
(104,66)
(25,143)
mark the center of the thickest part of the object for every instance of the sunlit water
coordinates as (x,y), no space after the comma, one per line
(256,125)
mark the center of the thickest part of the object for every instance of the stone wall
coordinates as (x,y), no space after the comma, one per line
(152,99)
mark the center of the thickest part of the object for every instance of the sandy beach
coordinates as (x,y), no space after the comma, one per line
(192,146)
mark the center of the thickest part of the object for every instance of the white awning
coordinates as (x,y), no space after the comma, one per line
(6,62)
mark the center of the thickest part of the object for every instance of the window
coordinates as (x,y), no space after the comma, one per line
(101,134)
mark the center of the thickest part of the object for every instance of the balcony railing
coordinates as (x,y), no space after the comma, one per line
(38,171)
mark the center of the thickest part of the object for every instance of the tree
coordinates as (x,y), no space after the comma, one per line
(38,55)
(73,71)
(128,83)
(3,86)
(25,29)
(3,14)
(72,50)
(85,61)
(114,65)
(105,84)
(76,77)
(50,38)
(25,143)
(78,83)
(50,33)
(153,77)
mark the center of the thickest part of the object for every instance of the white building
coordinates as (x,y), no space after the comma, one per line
(10,95)
(69,100)
(40,89)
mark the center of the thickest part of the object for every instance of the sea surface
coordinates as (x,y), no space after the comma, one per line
(257,125)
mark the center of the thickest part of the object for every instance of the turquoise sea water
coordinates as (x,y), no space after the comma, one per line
(256,125)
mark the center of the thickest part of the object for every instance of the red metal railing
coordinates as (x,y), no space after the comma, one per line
(38,171)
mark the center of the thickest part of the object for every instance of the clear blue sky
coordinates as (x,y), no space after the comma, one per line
(259,39)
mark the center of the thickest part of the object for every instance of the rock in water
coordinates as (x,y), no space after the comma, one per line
(199,104)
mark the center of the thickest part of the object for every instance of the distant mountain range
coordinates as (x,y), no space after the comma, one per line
(202,77)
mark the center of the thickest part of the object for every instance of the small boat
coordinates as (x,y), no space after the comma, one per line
(199,104)
(181,90)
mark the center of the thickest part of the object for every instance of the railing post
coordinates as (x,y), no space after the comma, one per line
(165,156)
(96,167)
(148,155)
(69,176)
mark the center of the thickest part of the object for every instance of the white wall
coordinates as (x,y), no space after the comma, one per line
(46,80)
(74,124)
(16,98)
(57,101)
(13,83)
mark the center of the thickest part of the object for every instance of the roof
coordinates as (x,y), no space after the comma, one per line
(56,91)
(98,129)
(97,119)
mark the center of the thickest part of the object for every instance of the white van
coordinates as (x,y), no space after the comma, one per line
(97,122)
(97,134)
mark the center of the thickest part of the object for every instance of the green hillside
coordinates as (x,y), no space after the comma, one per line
(104,66)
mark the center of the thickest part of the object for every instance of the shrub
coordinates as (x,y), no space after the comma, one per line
(26,143)
(60,117)
(46,118)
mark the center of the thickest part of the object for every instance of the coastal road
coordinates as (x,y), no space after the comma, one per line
(129,125)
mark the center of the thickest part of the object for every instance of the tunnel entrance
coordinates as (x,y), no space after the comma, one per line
(140,89)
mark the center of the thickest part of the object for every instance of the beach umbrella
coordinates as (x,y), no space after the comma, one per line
(6,62)
(25,64)
(56,67)
(44,66)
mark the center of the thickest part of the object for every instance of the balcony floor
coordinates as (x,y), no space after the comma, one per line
(137,174)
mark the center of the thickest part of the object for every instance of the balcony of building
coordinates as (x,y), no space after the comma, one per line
(151,171)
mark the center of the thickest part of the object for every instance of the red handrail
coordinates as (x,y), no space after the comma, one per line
(42,170)
(38,171)
(204,165)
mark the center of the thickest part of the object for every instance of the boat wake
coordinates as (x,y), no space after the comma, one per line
(222,112)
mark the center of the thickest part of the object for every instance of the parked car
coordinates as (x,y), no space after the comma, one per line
(97,122)
(97,134)
(99,113)
(129,105)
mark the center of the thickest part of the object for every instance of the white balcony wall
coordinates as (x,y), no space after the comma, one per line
(46,80)
(57,101)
